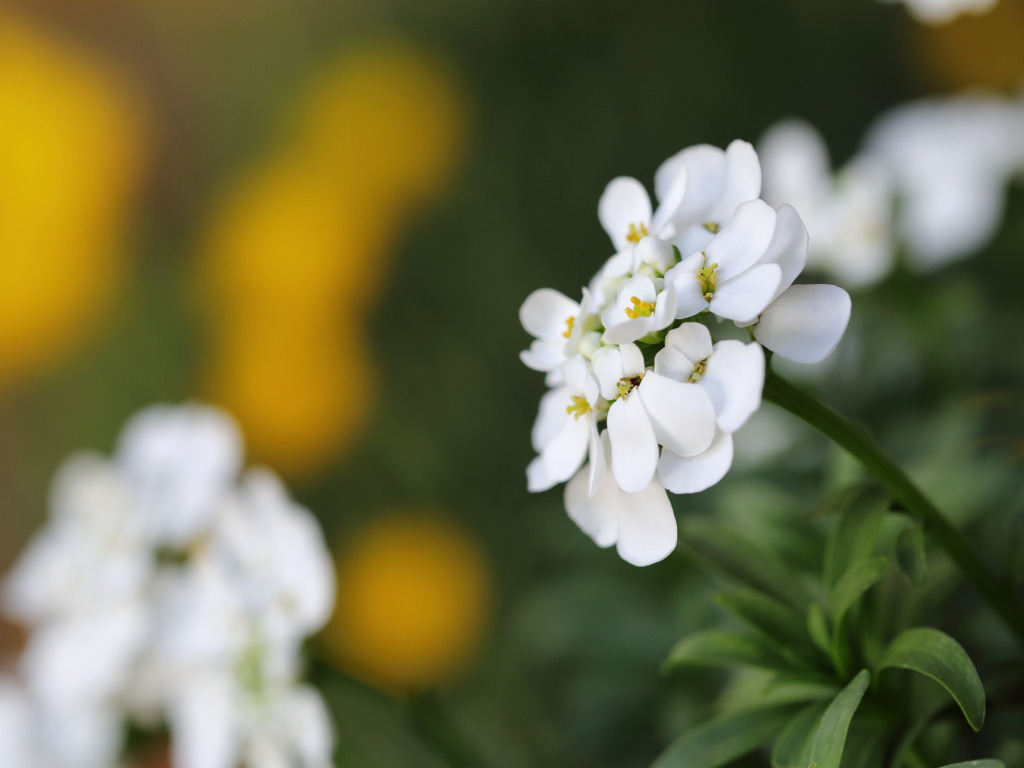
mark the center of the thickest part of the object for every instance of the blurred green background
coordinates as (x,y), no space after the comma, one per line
(324,217)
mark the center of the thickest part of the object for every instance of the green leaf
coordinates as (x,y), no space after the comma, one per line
(793,747)
(937,655)
(722,648)
(977,764)
(853,584)
(853,537)
(769,616)
(719,741)
(830,740)
(910,554)
(817,626)
(741,559)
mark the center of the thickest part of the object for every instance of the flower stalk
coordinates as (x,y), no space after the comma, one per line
(850,437)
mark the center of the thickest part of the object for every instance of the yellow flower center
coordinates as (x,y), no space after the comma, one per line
(637,232)
(640,308)
(627,384)
(698,371)
(708,279)
(579,407)
(569,323)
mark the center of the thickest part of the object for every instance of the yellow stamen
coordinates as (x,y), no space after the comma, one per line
(627,384)
(711,226)
(639,308)
(708,280)
(698,371)
(637,232)
(569,323)
(579,407)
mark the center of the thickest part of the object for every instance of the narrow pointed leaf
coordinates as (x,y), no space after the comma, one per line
(721,648)
(769,616)
(910,554)
(740,559)
(853,584)
(793,747)
(830,740)
(853,537)
(719,741)
(937,655)
(817,627)
(977,764)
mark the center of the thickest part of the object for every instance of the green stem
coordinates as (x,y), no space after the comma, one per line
(779,391)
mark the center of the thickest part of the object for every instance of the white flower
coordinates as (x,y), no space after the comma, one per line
(643,305)
(550,317)
(848,215)
(732,375)
(566,428)
(706,185)
(649,409)
(641,525)
(754,258)
(179,459)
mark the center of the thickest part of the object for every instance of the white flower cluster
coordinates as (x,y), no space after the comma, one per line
(930,177)
(637,355)
(165,590)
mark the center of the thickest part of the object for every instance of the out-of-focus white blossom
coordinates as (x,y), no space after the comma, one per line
(930,180)
(167,589)
(943,11)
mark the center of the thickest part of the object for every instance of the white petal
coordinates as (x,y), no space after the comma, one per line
(705,169)
(202,723)
(632,360)
(607,363)
(693,340)
(696,473)
(633,444)
(743,298)
(788,247)
(742,241)
(566,452)
(623,202)
(537,476)
(672,363)
(545,313)
(647,526)
(596,514)
(681,413)
(544,355)
(689,295)
(596,451)
(742,180)
(734,379)
(805,323)
(657,253)
(549,417)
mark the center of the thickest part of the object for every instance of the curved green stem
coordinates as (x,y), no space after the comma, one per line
(779,391)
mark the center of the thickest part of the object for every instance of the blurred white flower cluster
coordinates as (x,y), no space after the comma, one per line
(943,11)
(168,590)
(930,178)
(646,385)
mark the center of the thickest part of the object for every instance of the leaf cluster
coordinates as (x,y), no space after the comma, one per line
(828,648)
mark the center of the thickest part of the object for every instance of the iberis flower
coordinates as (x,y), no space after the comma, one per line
(643,399)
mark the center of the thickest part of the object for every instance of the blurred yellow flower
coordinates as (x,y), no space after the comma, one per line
(298,249)
(388,116)
(412,603)
(72,139)
(302,391)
